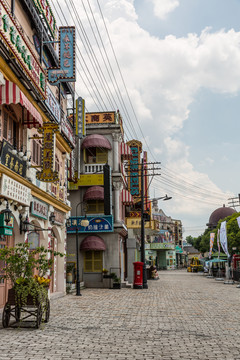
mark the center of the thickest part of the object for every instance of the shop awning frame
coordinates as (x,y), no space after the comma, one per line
(125,151)
(127,198)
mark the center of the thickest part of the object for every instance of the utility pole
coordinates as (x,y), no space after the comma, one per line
(233,202)
(145,284)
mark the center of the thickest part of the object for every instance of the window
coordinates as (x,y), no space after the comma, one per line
(57,166)
(93,261)
(95,207)
(10,127)
(96,156)
(36,152)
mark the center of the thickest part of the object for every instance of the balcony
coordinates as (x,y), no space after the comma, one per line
(93,168)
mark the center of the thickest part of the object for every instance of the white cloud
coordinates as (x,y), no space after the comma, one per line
(163,7)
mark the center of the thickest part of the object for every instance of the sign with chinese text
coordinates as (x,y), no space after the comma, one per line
(135,223)
(66,71)
(11,161)
(98,224)
(59,218)
(14,190)
(80,118)
(39,209)
(33,239)
(13,37)
(162,246)
(67,130)
(134,171)
(46,11)
(48,174)
(53,104)
(87,180)
(100,118)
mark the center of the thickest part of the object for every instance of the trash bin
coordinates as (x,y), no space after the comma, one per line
(138,275)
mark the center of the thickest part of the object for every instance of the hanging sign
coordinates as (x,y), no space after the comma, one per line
(53,105)
(13,37)
(11,161)
(46,11)
(66,71)
(80,118)
(223,237)
(212,236)
(14,190)
(48,174)
(134,168)
(67,130)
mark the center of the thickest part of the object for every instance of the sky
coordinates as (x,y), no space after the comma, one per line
(179,91)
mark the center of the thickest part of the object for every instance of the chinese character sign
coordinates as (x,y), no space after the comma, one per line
(66,71)
(48,174)
(96,224)
(80,117)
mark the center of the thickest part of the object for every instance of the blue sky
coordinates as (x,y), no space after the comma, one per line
(180,60)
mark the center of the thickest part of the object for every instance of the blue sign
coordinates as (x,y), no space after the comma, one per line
(97,224)
(66,71)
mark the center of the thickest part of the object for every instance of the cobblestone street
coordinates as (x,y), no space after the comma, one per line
(181,316)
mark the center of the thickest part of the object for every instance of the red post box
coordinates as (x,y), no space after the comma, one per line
(138,275)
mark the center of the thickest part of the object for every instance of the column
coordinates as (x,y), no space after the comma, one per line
(117,186)
(116,140)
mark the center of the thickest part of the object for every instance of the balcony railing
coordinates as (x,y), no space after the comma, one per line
(93,168)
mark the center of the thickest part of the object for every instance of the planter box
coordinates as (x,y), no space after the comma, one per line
(116,286)
(107,276)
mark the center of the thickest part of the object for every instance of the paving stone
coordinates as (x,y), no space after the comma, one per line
(180,316)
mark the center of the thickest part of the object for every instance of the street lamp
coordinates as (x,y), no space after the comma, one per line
(84,223)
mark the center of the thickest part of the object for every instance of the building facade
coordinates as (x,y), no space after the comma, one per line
(35,134)
(100,193)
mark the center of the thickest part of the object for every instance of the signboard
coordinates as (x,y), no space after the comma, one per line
(87,180)
(45,10)
(97,224)
(14,190)
(135,223)
(66,71)
(162,246)
(39,209)
(135,169)
(6,229)
(100,118)
(13,37)
(48,174)
(80,118)
(67,130)
(12,162)
(59,218)
(53,105)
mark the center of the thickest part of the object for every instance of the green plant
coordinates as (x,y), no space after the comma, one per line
(70,268)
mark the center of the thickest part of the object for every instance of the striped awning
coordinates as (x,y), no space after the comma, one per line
(127,198)
(11,94)
(125,151)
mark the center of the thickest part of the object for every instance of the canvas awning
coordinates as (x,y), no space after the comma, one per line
(125,151)
(96,140)
(92,242)
(127,198)
(94,193)
(11,94)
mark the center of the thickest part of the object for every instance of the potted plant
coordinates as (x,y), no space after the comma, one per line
(69,269)
(105,274)
(116,282)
